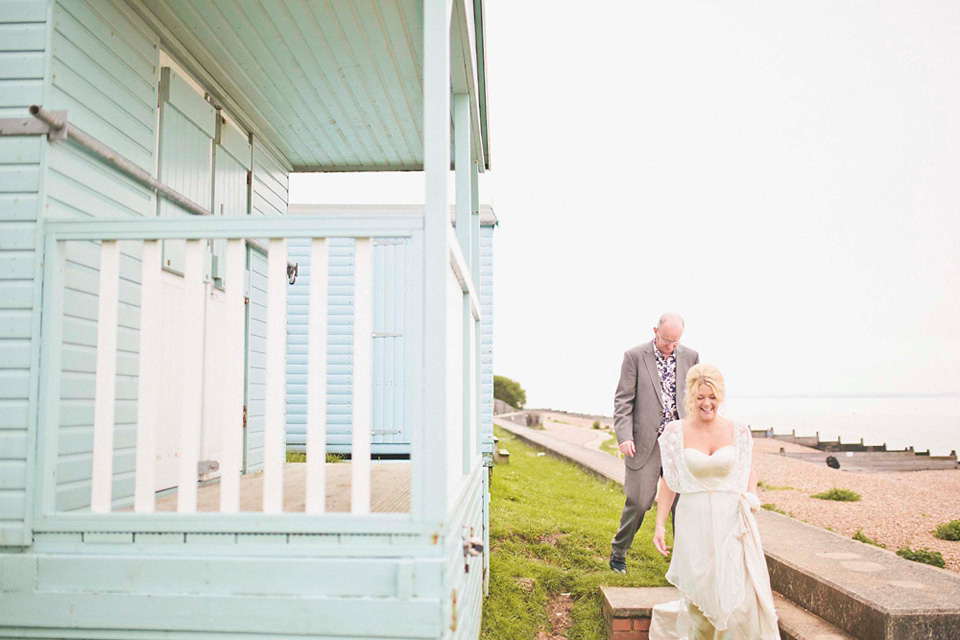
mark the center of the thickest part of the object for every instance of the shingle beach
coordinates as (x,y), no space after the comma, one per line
(897,510)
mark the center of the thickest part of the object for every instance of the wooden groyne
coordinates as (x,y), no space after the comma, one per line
(851,456)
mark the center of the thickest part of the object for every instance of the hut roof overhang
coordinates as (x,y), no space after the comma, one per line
(332,85)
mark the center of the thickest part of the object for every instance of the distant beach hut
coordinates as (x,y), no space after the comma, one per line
(391,392)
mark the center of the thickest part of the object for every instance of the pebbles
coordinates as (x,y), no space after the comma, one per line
(897,509)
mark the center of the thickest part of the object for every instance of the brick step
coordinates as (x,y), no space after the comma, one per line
(627,611)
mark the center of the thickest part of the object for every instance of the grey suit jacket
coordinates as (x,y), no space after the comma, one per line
(637,404)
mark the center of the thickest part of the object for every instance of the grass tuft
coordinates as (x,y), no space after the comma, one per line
(610,446)
(551,526)
(769,506)
(861,537)
(840,495)
(773,487)
(948,530)
(301,456)
(925,556)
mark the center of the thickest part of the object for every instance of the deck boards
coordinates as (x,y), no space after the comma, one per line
(390,490)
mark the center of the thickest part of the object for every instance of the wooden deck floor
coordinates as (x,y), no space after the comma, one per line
(390,489)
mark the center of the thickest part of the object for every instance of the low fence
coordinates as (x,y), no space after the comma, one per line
(139,360)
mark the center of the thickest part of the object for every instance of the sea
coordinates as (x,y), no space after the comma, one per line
(921,422)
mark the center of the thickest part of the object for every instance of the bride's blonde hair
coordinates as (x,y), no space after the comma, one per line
(703,374)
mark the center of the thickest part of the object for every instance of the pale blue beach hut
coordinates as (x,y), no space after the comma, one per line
(391,391)
(146,258)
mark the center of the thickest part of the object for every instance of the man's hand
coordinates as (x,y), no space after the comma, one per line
(627,448)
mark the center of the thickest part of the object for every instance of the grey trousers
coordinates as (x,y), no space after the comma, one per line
(640,487)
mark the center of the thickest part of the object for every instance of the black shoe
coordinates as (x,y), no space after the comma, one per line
(618,564)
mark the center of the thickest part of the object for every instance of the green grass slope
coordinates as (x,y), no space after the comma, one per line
(551,526)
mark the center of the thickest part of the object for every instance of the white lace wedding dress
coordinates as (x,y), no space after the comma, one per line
(717,561)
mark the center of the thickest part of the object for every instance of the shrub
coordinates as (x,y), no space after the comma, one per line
(769,506)
(509,391)
(948,530)
(296,456)
(860,537)
(596,424)
(925,556)
(840,495)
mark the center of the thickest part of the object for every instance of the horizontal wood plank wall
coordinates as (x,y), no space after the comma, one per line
(23,39)
(270,182)
(391,431)
(269,187)
(486,338)
(466,520)
(104,72)
(256,392)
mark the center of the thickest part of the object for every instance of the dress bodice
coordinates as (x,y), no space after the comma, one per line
(710,470)
(728,469)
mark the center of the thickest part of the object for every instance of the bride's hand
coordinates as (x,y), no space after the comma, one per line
(660,540)
(753,501)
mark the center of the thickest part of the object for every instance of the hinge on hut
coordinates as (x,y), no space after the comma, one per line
(249,178)
(244,416)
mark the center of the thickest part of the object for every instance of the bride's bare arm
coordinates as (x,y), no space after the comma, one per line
(665,498)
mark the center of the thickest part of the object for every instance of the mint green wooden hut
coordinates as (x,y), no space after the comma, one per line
(145,151)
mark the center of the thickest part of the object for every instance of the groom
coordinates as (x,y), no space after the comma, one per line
(650,394)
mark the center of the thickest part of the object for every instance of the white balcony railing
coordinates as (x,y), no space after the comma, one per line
(151,331)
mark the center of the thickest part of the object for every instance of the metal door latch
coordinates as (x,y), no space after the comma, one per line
(472,546)
(207,466)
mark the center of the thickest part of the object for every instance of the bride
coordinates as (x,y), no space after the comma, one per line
(717,563)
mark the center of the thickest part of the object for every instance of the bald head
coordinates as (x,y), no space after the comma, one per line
(667,332)
(672,319)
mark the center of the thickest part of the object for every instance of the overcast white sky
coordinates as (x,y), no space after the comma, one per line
(784,174)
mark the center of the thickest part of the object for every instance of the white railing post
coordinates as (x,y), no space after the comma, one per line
(274,432)
(149,378)
(316,378)
(462,165)
(192,376)
(362,377)
(464,196)
(428,455)
(233,378)
(475,267)
(101,486)
(474,256)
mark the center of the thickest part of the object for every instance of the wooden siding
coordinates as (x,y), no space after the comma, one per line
(187,130)
(256,393)
(104,72)
(271,183)
(486,339)
(466,519)
(391,433)
(23,37)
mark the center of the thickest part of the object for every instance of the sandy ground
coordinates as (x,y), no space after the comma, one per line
(897,509)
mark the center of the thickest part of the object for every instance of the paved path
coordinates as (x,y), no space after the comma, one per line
(568,443)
